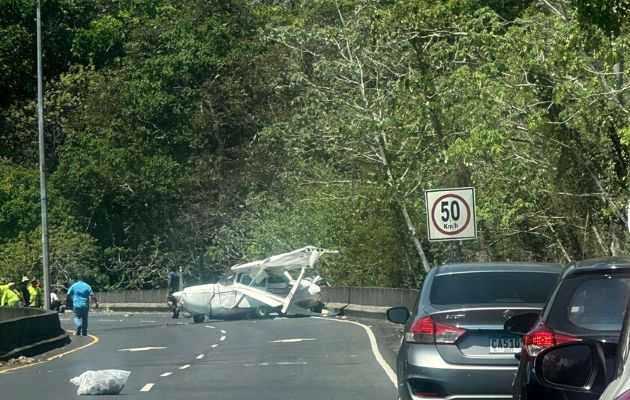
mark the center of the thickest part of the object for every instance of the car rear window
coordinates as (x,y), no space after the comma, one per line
(590,304)
(492,287)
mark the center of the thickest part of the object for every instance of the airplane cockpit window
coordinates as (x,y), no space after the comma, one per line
(244,279)
(260,284)
(226,279)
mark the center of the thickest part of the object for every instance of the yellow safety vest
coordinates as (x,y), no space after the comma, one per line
(10,298)
(36,298)
(2,290)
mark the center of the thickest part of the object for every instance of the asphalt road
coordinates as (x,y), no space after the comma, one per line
(296,358)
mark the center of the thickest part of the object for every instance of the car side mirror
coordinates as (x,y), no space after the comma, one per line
(522,323)
(398,315)
(575,367)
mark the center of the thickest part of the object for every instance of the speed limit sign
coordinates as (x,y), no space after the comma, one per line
(451,214)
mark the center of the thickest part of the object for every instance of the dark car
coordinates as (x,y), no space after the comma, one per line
(455,346)
(589,304)
(581,367)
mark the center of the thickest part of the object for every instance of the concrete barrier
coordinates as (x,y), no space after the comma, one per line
(371,302)
(29,331)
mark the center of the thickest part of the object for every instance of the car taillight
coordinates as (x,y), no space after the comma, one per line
(425,330)
(542,337)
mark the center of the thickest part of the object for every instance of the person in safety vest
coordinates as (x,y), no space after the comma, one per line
(3,287)
(35,291)
(10,297)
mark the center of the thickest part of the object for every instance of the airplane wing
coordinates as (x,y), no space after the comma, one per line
(270,299)
(296,259)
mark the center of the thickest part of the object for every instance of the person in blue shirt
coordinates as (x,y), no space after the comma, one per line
(81,293)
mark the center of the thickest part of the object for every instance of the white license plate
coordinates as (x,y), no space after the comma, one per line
(505,345)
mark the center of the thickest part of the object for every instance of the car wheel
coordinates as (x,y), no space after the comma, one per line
(198,318)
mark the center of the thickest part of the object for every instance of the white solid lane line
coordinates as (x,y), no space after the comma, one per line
(222,338)
(377,354)
(200,356)
(184,366)
(167,374)
(146,387)
(291,340)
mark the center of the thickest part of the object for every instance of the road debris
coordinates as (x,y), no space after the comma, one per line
(107,381)
(18,361)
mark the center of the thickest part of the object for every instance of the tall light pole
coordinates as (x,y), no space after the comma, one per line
(42,159)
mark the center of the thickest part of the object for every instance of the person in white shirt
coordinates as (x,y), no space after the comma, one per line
(54,300)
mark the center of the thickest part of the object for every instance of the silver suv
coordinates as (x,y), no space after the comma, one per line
(455,346)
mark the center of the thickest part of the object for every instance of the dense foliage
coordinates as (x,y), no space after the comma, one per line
(203,133)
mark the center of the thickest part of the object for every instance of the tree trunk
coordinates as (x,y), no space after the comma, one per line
(411,229)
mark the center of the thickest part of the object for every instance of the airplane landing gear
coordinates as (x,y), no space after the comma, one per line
(263,311)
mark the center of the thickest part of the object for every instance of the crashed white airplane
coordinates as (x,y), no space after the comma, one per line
(258,288)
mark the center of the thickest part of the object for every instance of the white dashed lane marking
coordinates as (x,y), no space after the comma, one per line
(214,346)
(167,374)
(222,331)
(264,364)
(222,338)
(200,356)
(292,340)
(210,326)
(142,349)
(184,366)
(146,387)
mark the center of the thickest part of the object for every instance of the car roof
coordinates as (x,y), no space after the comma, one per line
(599,265)
(460,268)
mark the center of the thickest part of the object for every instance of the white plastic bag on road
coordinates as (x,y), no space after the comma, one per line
(107,381)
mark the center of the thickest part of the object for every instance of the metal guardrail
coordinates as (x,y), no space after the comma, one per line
(366,296)
(133,296)
(370,296)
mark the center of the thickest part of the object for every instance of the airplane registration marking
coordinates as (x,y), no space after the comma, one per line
(292,340)
(142,349)
(184,366)
(200,356)
(167,374)
(222,338)
(147,387)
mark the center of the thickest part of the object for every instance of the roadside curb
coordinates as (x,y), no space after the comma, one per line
(350,310)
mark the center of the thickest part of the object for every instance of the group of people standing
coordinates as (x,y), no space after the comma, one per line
(28,293)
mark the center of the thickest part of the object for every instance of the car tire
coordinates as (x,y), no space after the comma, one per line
(198,318)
